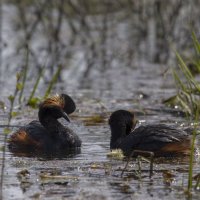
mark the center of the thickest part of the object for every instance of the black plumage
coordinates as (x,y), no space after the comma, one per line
(47,135)
(158,138)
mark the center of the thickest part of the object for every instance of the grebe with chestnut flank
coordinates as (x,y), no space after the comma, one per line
(47,135)
(160,139)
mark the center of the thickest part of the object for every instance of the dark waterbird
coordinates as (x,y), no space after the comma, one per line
(47,135)
(160,139)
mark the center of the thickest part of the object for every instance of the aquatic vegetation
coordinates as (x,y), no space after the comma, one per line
(23,173)
(2,105)
(48,176)
(194,134)
(188,88)
(7,129)
(53,81)
(188,97)
(104,34)
(116,154)
(33,101)
(168,176)
(197,178)
(140,156)
(24,75)
(93,120)
(21,79)
(24,178)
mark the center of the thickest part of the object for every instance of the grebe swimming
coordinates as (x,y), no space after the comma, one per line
(47,135)
(160,139)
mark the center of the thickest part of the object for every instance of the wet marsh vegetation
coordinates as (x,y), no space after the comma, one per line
(107,55)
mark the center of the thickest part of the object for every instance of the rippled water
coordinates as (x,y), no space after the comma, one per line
(91,174)
(140,87)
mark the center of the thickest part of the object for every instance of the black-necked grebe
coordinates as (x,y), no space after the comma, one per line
(160,139)
(47,135)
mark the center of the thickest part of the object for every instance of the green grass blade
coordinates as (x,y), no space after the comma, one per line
(24,72)
(41,72)
(190,172)
(196,43)
(178,81)
(53,81)
(184,67)
(188,75)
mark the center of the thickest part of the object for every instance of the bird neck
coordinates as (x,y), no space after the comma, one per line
(52,125)
(117,133)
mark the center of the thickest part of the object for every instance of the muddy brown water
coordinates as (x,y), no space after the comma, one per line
(91,174)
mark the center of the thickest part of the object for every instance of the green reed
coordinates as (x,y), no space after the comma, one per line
(32,101)
(53,81)
(24,73)
(188,98)
(192,152)
(188,88)
(188,94)
(19,88)
(11,98)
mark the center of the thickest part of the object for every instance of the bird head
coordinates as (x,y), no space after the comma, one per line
(57,106)
(122,120)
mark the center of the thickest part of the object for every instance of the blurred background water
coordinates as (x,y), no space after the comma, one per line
(114,54)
